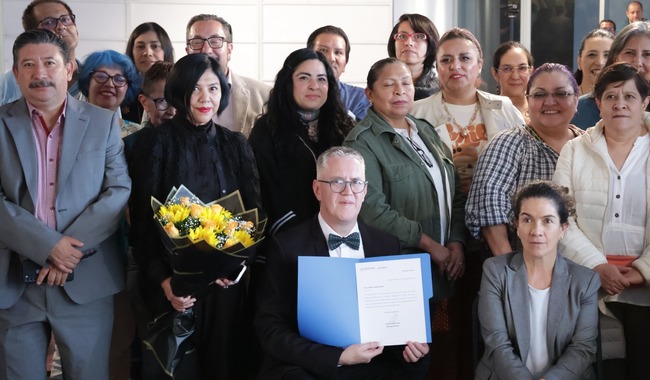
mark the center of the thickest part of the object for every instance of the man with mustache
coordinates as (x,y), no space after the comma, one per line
(63,189)
(57,17)
(335,46)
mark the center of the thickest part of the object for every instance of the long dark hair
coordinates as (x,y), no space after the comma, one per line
(165,42)
(282,111)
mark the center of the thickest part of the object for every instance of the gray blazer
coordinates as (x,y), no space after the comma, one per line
(93,187)
(572,326)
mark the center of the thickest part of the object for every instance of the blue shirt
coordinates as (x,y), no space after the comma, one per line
(354,100)
(588,113)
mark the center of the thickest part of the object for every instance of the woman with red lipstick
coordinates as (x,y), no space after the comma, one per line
(304,118)
(212,161)
(108,79)
(148,44)
(520,155)
(538,311)
(607,169)
(414,40)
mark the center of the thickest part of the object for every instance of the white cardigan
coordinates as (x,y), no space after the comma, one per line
(584,170)
(497,111)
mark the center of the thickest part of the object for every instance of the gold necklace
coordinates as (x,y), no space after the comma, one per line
(463,130)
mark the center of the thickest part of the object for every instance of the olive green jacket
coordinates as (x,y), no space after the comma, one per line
(401,198)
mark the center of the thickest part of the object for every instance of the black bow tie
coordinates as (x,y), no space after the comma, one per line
(353,241)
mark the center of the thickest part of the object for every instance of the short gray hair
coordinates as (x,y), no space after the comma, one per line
(338,151)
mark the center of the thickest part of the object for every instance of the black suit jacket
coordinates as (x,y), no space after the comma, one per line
(276,321)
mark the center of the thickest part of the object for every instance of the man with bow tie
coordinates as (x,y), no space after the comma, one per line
(340,187)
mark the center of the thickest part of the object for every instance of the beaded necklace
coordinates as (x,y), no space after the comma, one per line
(463,130)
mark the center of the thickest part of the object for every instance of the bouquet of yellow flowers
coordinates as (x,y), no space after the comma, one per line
(205,241)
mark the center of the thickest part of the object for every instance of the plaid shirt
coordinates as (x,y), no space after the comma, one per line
(512,159)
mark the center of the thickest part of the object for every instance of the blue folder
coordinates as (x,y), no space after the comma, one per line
(328,311)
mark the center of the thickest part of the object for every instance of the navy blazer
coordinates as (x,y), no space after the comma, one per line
(93,187)
(572,325)
(276,321)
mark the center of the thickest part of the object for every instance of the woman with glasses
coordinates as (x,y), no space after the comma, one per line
(523,154)
(413,188)
(414,40)
(511,67)
(109,79)
(211,161)
(148,44)
(607,169)
(304,118)
(630,45)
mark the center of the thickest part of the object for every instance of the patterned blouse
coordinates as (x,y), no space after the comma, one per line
(512,159)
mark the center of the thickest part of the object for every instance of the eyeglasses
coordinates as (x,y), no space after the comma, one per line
(509,70)
(403,36)
(161,103)
(213,42)
(557,95)
(338,185)
(50,23)
(102,77)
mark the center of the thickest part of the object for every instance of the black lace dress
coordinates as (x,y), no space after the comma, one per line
(212,162)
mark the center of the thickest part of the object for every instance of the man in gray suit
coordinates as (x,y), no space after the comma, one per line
(63,188)
(212,35)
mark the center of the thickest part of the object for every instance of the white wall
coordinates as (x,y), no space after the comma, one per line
(264,31)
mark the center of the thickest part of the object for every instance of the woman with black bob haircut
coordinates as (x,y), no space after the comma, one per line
(211,161)
(304,118)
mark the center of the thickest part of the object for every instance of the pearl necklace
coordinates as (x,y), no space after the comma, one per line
(463,130)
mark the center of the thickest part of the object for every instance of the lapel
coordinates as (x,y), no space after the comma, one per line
(317,239)
(519,302)
(557,302)
(19,125)
(76,122)
(240,101)
(370,248)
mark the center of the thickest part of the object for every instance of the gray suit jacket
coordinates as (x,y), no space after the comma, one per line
(93,187)
(572,326)
(248,97)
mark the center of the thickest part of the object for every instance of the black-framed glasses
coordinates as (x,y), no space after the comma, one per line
(213,42)
(102,77)
(557,95)
(338,185)
(403,36)
(161,103)
(509,70)
(50,23)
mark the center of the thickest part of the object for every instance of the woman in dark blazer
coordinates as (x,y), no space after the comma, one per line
(538,311)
